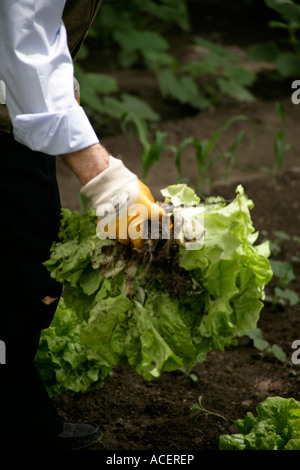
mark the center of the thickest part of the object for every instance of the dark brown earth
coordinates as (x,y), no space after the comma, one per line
(137,415)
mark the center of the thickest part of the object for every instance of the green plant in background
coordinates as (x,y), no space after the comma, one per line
(197,409)
(151,151)
(98,95)
(180,87)
(207,151)
(206,156)
(139,33)
(280,147)
(137,28)
(279,238)
(276,243)
(229,76)
(147,45)
(264,347)
(219,72)
(284,55)
(283,271)
(289,10)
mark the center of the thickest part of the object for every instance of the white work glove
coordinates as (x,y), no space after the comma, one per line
(122,202)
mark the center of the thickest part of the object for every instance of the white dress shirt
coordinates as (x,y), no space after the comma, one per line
(2,93)
(36,78)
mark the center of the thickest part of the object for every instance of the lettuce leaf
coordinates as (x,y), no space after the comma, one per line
(61,358)
(276,427)
(127,313)
(234,272)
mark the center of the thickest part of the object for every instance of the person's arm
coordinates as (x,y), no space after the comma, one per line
(88,162)
(37,68)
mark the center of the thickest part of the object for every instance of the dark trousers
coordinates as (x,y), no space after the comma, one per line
(30,217)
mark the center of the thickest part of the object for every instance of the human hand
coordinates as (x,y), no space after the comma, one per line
(123,204)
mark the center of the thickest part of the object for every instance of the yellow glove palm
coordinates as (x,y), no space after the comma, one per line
(123,204)
(129,228)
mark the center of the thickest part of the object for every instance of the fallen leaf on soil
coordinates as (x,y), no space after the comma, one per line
(47,300)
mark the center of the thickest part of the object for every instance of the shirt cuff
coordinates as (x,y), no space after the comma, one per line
(55,133)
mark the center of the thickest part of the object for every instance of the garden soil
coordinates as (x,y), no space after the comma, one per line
(140,415)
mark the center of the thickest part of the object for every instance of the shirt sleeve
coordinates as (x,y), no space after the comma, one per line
(37,69)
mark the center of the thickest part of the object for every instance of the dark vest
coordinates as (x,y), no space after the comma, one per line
(78,16)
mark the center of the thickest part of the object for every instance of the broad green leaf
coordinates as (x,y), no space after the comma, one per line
(284,271)
(288,9)
(239,75)
(293,444)
(278,352)
(257,338)
(264,52)
(135,43)
(90,281)
(217,50)
(173,11)
(139,40)
(199,67)
(135,106)
(61,359)
(287,294)
(181,88)
(180,194)
(233,442)
(235,90)
(102,83)
(127,105)
(156,59)
(288,64)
